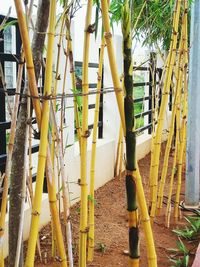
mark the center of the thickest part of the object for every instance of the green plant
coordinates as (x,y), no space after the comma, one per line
(192,231)
(102,247)
(181,254)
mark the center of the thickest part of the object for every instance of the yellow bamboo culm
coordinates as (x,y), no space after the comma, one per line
(91,198)
(73,82)
(168,208)
(84,136)
(155,118)
(176,104)
(145,221)
(54,92)
(182,132)
(118,156)
(121,154)
(37,108)
(36,209)
(166,87)
(112,61)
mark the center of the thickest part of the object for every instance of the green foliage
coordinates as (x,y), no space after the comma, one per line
(192,231)
(181,254)
(154,20)
(101,247)
(90,198)
(8,24)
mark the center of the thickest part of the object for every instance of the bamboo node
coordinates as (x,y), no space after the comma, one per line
(145,220)
(81,184)
(86,134)
(35,213)
(118,89)
(91,28)
(30,67)
(85,231)
(108,35)
(98,77)
(128,172)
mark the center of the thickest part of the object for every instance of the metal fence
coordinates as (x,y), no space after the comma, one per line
(154,76)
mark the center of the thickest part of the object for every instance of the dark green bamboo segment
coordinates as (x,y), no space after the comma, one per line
(133,242)
(130,136)
(131,193)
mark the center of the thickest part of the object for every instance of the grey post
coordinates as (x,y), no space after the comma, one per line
(193,126)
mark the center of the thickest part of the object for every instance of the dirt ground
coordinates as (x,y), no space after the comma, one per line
(111,227)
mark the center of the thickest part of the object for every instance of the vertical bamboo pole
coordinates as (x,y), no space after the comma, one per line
(37,107)
(66,205)
(112,61)
(184,116)
(73,82)
(168,208)
(93,156)
(118,151)
(130,137)
(121,154)
(84,136)
(43,142)
(176,105)
(57,78)
(152,259)
(166,87)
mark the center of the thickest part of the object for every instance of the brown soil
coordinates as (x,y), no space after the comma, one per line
(111,227)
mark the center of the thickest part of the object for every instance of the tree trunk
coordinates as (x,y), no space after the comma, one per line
(18,153)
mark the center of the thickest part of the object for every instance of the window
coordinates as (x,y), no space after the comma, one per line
(9,48)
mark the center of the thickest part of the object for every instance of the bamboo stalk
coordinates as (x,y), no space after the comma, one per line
(43,143)
(168,208)
(145,221)
(121,155)
(73,82)
(112,61)
(176,106)
(152,260)
(182,131)
(64,190)
(130,138)
(84,136)
(91,199)
(166,87)
(36,105)
(118,151)
(57,78)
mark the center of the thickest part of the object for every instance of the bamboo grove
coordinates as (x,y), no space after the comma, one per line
(50,115)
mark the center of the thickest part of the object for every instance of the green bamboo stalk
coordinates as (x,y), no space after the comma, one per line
(152,259)
(130,138)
